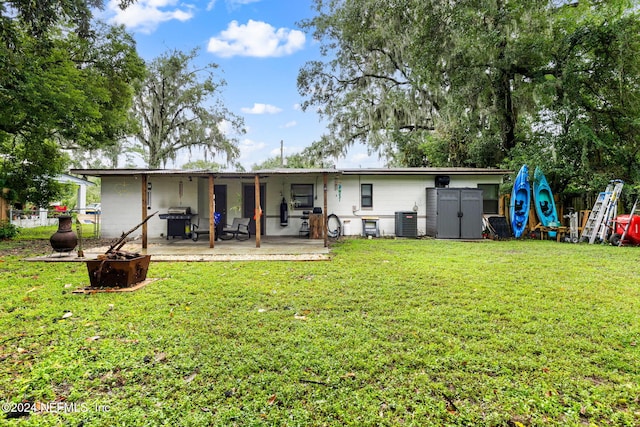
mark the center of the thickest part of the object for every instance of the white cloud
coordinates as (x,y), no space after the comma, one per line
(358,157)
(226,127)
(276,152)
(290,124)
(250,152)
(146,15)
(240,2)
(297,107)
(248,146)
(231,4)
(287,150)
(256,39)
(261,109)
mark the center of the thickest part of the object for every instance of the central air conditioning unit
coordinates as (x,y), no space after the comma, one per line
(407,224)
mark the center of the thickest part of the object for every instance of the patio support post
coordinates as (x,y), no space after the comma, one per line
(143,189)
(258,211)
(325,179)
(212,210)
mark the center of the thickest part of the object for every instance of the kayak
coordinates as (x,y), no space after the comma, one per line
(519,205)
(543,199)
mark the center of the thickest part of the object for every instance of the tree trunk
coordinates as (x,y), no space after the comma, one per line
(506,114)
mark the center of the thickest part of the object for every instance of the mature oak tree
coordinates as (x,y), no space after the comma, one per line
(179,108)
(481,83)
(425,72)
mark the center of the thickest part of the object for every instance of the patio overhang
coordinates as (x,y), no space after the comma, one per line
(144,174)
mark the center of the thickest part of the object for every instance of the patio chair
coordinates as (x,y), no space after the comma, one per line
(196,231)
(239,229)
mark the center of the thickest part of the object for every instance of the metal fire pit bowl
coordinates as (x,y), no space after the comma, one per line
(110,273)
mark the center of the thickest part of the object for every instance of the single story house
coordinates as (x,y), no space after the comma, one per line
(358,197)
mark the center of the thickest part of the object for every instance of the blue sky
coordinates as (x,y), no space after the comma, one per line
(259,48)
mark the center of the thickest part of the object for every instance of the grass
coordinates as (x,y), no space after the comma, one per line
(390,332)
(39,236)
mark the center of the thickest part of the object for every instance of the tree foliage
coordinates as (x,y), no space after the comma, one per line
(369,87)
(596,100)
(481,83)
(202,165)
(311,157)
(427,73)
(37,18)
(67,83)
(179,108)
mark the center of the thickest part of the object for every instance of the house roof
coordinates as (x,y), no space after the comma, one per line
(200,172)
(426,171)
(271,172)
(70,179)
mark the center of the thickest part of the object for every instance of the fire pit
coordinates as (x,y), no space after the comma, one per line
(118,268)
(118,273)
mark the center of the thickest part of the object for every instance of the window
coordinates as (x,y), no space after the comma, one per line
(489,198)
(302,195)
(366,195)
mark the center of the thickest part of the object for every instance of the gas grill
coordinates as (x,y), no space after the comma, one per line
(178,221)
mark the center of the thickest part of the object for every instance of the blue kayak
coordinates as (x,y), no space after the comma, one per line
(543,199)
(520,200)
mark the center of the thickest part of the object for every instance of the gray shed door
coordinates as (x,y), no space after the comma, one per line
(471,220)
(448,208)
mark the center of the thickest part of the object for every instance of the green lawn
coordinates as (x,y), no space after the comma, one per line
(390,332)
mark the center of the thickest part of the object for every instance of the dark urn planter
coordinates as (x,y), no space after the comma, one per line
(64,240)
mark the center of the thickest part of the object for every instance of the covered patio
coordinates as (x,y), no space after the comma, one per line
(273,248)
(130,194)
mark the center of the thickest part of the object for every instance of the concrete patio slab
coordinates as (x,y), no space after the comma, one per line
(271,249)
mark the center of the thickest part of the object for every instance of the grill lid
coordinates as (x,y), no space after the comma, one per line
(179,210)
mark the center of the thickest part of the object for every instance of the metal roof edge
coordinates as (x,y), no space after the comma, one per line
(426,171)
(65,178)
(267,172)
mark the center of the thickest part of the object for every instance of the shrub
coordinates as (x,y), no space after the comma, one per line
(8,230)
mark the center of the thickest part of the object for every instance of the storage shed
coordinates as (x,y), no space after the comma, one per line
(454,213)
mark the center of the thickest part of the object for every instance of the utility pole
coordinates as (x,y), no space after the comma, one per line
(281,153)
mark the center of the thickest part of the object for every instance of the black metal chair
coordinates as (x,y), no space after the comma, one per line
(239,229)
(197,231)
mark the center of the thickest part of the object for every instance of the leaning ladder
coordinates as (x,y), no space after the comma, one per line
(603,211)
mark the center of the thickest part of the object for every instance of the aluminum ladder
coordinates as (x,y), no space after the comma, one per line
(602,213)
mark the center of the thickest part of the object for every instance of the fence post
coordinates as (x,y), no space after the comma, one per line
(44,214)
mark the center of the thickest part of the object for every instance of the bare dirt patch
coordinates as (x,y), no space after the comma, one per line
(25,248)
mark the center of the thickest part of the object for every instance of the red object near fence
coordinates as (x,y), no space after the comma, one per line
(633,232)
